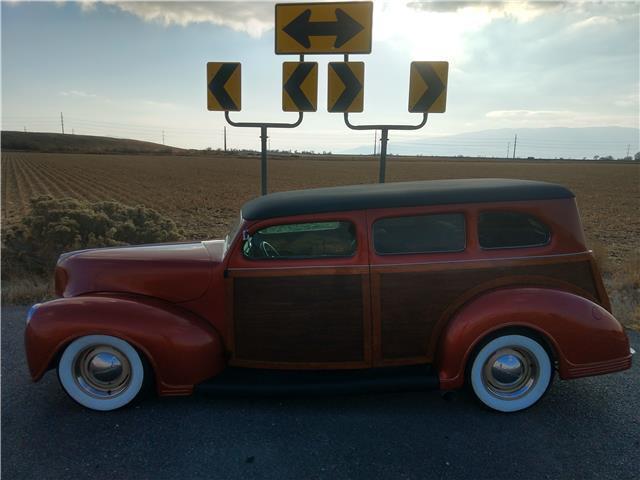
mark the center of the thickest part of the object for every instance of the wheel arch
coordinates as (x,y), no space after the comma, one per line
(575,330)
(181,348)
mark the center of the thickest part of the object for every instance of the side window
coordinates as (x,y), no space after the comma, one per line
(511,230)
(302,240)
(420,234)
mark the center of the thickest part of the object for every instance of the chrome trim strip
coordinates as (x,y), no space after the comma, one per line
(294,267)
(475,260)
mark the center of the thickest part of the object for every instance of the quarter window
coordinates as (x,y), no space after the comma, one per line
(511,230)
(302,240)
(420,234)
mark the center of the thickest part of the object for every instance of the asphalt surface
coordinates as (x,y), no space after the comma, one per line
(588,428)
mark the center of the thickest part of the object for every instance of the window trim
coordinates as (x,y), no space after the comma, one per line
(532,245)
(428,252)
(323,257)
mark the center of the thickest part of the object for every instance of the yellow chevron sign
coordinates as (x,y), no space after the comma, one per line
(300,86)
(428,87)
(223,86)
(346,87)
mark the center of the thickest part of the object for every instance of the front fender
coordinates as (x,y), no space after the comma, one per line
(585,338)
(182,348)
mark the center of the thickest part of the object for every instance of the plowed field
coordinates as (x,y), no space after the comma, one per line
(204,193)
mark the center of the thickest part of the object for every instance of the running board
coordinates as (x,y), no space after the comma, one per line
(252,382)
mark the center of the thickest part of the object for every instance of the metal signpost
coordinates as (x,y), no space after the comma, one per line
(326,28)
(427,93)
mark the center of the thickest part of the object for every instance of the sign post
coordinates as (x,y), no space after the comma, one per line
(427,93)
(224,94)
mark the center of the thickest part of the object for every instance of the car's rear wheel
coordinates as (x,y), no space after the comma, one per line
(510,373)
(101,372)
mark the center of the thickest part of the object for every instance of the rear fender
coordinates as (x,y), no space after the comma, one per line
(182,348)
(584,337)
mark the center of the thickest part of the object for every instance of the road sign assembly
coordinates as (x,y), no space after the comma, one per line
(343,28)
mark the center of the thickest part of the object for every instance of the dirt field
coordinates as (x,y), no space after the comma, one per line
(203,194)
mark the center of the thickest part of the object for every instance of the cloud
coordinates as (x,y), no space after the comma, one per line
(527,113)
(252,18)
(521,11)
(558,118)
(78,93)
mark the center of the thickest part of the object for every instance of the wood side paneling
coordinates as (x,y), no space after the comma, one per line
(412,303)
(299,319)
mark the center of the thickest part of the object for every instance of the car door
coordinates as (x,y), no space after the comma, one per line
(299,293)
(413,254)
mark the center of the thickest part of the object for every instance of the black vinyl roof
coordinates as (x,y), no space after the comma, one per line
(401,194)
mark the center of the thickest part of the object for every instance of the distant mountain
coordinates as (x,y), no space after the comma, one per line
(550,142)
(59,143)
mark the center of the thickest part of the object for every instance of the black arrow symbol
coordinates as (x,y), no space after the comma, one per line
(434,87)
(344,28)
(292,86)
(219,80)
(352,87)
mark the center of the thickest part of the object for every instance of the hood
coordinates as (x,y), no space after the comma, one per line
(173,272)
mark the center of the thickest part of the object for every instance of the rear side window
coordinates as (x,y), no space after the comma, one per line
(420,234)
(511,230)
(302,240)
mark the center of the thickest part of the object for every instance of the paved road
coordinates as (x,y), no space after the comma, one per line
(587,428)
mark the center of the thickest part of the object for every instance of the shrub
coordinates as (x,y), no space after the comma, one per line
(54,226)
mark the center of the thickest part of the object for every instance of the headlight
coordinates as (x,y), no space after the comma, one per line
(31,311)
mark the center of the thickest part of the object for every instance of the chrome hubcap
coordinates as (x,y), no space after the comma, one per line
(102,371)
(510,373)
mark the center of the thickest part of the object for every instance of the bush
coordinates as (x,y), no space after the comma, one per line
(54,226)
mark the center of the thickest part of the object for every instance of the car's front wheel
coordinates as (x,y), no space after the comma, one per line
(101,372)
(510,373)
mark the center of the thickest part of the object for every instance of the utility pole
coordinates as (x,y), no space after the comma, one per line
(163,137)
(25,129)
(73,132)
(225,139)
(375,142)
(508,148)
(515,143)
(269,148)
(628,149)
(62,122)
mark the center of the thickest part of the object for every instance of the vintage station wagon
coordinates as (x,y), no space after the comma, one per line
(483,282)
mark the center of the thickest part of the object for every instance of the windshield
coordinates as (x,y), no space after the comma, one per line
(235,227)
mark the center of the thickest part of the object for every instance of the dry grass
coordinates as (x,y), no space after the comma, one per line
(24,290)
(203,194)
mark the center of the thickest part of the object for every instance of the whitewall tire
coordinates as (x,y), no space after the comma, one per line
(510,373)
(101,372)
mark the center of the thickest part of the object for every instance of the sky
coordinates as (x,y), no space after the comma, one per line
(137,69)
